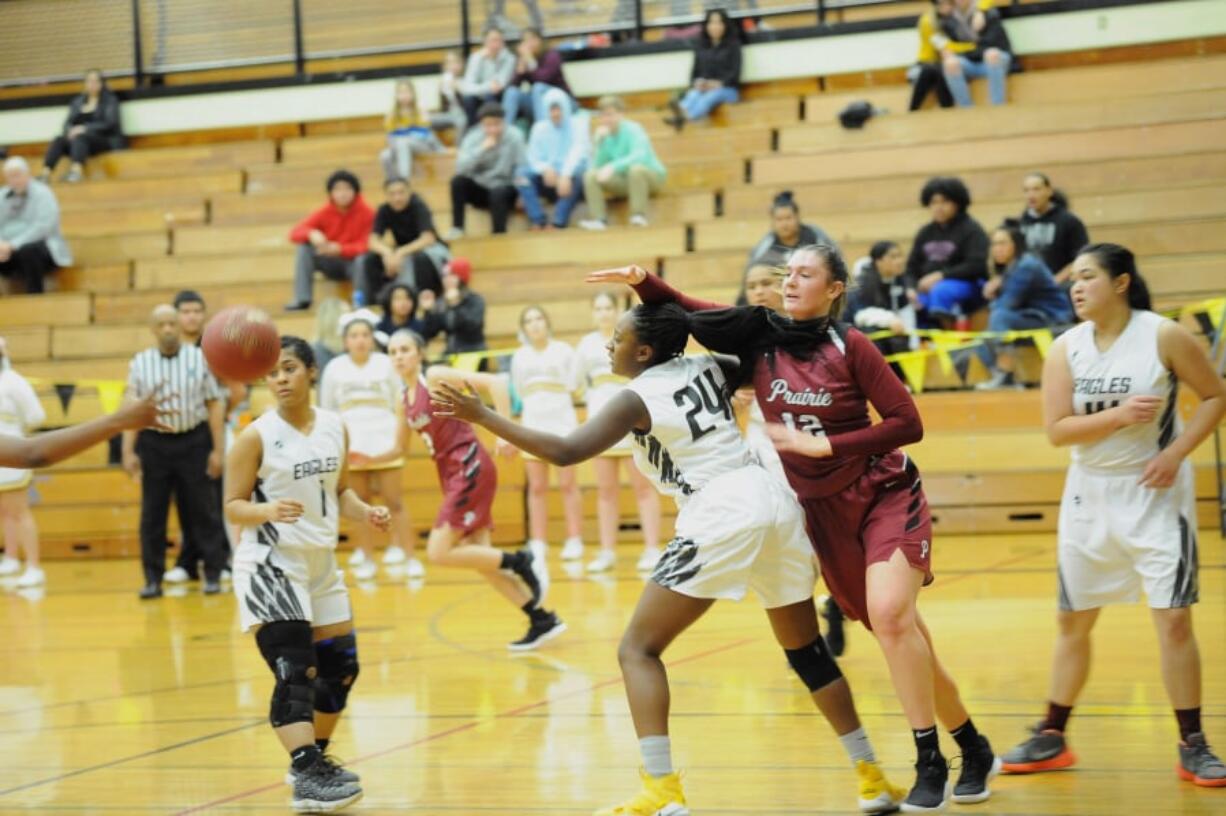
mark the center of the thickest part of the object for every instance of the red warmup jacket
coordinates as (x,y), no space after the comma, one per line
(350,229)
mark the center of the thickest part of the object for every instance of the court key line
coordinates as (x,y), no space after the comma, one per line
(468,726)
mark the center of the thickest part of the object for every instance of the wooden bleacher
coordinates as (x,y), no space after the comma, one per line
(1140,148)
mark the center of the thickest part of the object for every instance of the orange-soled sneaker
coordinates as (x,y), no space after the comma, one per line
(1198,764)
(1044,751)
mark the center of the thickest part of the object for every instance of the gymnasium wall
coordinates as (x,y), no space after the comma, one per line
(1069,31)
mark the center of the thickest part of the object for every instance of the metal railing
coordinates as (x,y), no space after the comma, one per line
(46,41)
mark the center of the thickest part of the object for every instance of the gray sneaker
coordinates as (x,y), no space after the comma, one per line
(1198,764)
(1044,751)
(319,789)
(341,772)
(979,767)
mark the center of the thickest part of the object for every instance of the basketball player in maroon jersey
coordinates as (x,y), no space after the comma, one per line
(814,379)
(469,479)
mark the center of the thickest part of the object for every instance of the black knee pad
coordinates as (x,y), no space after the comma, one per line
(338,668)
(287,648)
(814,664)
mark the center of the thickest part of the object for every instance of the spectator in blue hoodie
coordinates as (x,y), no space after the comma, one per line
(1023,295)
(559,148)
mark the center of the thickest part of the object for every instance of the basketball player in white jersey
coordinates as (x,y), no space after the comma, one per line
(738,528)
(1128,516)
(287,485)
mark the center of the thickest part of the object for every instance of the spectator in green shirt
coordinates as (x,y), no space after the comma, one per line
(624,164)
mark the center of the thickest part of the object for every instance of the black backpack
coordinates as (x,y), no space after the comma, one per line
(856,114)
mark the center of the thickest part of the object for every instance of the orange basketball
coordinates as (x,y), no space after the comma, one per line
(241,343)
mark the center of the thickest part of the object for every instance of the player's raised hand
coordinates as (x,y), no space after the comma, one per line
(629,275)
(379,517)
(450,401)
(285,511)
(151,411)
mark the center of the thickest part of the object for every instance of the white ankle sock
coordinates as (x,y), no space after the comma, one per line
(657,755)
(857,746)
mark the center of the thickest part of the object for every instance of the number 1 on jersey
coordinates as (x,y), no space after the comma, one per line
(323,498)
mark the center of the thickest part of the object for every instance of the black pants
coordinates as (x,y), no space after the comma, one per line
(174,464)
(30,263)
(371,275)
(931,79)
(472,104)
(190,554)
(78,148)
(498,200)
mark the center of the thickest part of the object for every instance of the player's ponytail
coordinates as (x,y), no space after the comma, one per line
(663,326)
(1116,260)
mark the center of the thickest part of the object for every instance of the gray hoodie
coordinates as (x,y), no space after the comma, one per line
(494,167)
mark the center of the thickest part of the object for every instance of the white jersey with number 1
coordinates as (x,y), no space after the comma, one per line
(304,468)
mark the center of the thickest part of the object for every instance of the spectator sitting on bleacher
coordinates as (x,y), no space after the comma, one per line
(399,303)
(31,243)
(403,244)
(879,298)
(450,114)
(487,74)
(974,21)
(624,164)
(540,69)
(459,313)
(1023,295)
(485,170)
(787,232)
(559,148)
(949,257)
(408,133)
(92,127)
(715,78)
(1051,230)
(331,238)
(927,76)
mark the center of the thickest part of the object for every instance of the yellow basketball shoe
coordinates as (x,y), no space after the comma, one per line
(877,795)
(660,796)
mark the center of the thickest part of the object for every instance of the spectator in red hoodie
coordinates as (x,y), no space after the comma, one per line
(332,238)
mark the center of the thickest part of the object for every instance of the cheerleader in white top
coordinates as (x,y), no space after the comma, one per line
(287,486)
(601,385)
(20,412)
(1128,515)
(363,387)
(544,373)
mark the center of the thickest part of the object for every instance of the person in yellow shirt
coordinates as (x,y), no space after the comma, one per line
(408,133)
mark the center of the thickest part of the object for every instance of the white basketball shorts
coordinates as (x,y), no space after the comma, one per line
(289,584)
(743,530)
(1117,537)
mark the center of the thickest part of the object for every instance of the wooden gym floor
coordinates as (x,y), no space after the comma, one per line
(111,705)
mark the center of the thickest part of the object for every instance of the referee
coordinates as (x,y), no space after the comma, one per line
(181,460)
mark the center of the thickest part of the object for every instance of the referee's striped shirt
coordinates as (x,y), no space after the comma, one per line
(185,379)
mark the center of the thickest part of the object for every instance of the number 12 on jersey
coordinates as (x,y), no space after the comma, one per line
(805,422)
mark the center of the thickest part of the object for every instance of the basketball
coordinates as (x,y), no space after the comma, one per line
(241,343)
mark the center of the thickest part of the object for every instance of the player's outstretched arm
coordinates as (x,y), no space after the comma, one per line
(55,446)
(620,416)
